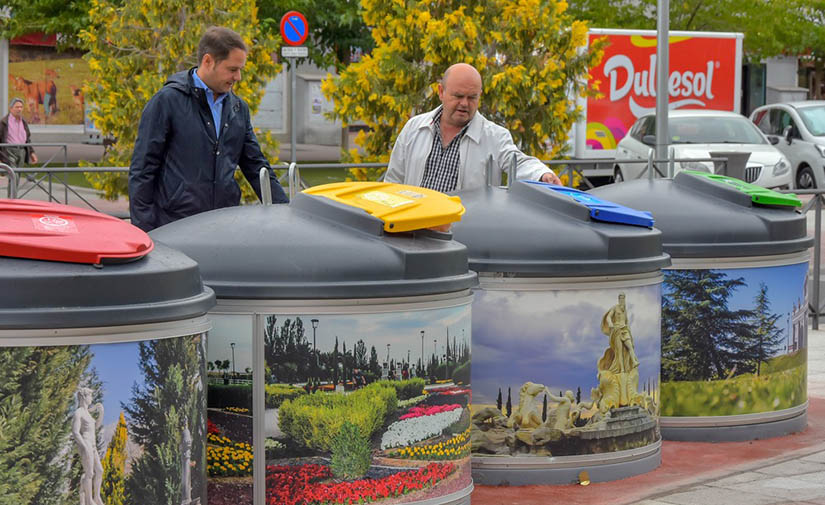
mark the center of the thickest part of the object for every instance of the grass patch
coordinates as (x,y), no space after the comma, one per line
(743,394)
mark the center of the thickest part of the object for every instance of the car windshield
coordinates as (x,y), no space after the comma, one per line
(814,119)
(713,130)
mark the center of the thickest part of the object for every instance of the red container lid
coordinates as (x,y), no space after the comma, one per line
(55,232)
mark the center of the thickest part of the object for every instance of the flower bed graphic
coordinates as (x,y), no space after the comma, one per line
(408,431)
(225,458)
(310,484)
(429,411)
(454,448)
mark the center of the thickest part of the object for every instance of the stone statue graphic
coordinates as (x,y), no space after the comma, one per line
(618,368)
(84,432)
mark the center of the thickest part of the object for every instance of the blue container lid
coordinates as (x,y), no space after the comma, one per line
(602,210)
(534,229)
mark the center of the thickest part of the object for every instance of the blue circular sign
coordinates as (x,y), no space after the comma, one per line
(294,28)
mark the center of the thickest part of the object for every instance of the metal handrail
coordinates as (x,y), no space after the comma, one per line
(266,186)
(12,189)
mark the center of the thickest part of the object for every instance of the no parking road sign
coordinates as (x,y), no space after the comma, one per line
(294,28)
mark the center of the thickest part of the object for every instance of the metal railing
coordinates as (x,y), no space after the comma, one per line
(814,307)
(291,178)
(12,187)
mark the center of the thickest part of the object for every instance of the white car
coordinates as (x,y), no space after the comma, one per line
(705,134)
(799,130)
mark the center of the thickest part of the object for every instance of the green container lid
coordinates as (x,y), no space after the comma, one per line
(758,194)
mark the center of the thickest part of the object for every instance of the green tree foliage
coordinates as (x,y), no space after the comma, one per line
(171,399)
(360,352)
(766,24)
(37,388)
(528,52)
(65,19)
(134,46)
(509,410)
(288,353)
(114,466)
(767,337)
(702,338)
(335,26)
(375,367)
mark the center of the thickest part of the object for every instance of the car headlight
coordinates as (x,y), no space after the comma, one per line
(821,149)
(694,165)
(782,167)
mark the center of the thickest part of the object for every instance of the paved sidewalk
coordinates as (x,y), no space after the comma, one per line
(784,470)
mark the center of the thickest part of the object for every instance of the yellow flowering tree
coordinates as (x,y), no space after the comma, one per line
(531,55)
(114,466)
(134,46)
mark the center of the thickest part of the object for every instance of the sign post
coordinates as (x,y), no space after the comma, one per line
(294,31)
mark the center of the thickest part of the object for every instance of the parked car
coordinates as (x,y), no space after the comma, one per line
(799,130)
(698,133)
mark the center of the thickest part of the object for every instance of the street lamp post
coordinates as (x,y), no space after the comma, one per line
(314,350)
(422,351)
(232,345)
(388,360)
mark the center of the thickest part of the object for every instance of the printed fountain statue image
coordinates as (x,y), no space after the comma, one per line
(617,417)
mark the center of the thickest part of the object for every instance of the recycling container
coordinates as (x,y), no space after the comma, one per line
(102,361)
(565,336)
(340,347)
(734,324)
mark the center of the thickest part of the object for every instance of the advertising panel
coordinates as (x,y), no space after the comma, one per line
(118,423)
(704,74)
(587,374)
(734,341)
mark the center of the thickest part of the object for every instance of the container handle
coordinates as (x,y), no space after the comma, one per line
(511,174)
(12,190)
(294,180)
(266,186)
(488,169)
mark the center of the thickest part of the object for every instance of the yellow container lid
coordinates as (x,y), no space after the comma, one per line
(401,207)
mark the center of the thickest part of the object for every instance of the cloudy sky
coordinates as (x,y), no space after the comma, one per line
(554,338)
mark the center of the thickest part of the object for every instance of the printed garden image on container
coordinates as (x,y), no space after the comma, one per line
(734,341)
(117,423)
(229,454)
(595,390)
(370,407)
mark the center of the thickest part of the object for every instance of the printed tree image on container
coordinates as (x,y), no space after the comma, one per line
(119,424)
(734,341)
(385,419)
(617,416)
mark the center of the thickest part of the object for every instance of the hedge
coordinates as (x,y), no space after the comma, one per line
(314,420)
(406,389)
(276,394)
(229,395)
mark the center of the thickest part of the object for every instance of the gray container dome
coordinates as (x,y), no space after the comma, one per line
(315,248)
(702,218)
(164,285)
(530,229)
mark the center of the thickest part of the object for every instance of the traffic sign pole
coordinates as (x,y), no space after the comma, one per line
(294,31)
(293,134)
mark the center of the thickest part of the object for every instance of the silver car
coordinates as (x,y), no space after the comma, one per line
(698,134)
(799,130)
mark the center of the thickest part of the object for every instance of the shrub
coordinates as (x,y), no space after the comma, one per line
(350,453)
(406,389)
(313,420)
(461,375)
(276,394)
(220,396)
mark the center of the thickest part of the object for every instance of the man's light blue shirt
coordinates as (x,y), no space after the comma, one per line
(215,106)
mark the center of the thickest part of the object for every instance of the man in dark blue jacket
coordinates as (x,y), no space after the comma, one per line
(192,135)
